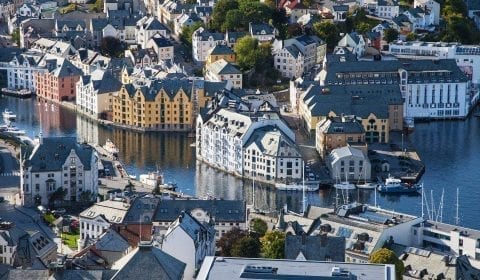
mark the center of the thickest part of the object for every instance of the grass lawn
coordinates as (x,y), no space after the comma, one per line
(70,239)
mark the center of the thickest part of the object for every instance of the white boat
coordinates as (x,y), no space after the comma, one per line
(344,186)
(9,115)
(309,187)
(367,186)
(14,131)
(155,179)
(111,148)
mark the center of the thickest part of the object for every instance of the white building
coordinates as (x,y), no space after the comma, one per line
(28,10)
(349,163)
(162,46)
(21,73)
(340,12)
(387,9)
(222,138)
(420,18)
(262,32)
(430,5)
(189,241)
(147,27)
(94,93)
(354,42)
(185,20)
(59,162)
(222,70)
(203,41)
(289,61)
(94,221)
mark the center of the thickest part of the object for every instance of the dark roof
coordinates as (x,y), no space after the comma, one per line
(149,262)
(66,69)
(161,42)
(342,125)
(294,51)
(220,210)
(7,54)
(194,228)
(358,100)
(153,24)
(233,36)
(205,34)
(221,50)
(53,152)
(464,269)
(473,5)
(315,248)
(259,28)
(112,241)
(139,208)
(340,8)
(78,274)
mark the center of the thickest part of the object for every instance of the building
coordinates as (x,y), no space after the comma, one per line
(349,164)
(89,61)
(223,135)
(226,214)
(20,74)
(189,241)
(231,37)
(262,32)
(97,219)
(58,82)
(185,20)
(142,58)
(221,52)
(354,42)
(222,70)
(431,89)
(270,154)
(315,248)
(432,6)
(387,9)
(337,132)
(95,94)
(7,9)
(378,118)
(214,268)
(162,47)
(203,41)
(147,27)
(25,250)
(290,62)
(340,12)
(473,8)
(148,262)
(111,246)
(59,162)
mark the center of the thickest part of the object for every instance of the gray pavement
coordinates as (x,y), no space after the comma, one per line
(9,168)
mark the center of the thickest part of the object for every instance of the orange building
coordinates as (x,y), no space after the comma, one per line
(58,83)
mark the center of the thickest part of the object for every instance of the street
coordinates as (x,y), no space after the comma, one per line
(9,168)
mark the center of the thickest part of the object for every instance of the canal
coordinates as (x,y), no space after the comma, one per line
(449,149)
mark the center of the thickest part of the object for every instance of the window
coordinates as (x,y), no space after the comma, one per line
(37,187)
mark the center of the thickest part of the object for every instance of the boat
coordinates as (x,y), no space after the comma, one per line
(110,148)
(367,186)
(155,179)
(309,187)
(9,115)
(14,131)
(344,186)
(396,186)
(20,93)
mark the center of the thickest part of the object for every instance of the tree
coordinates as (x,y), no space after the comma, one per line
(58,195)
(386,256)
(294,30)
(16,36)
(248,53)
(220,11)
(187,32)
(246,247)
(85,197)
(228,240)
(111,46)
(234,20)
(258,226)
(411,36)
(390,35)
(97,6)
(254,11)
(273,245)
(327,31)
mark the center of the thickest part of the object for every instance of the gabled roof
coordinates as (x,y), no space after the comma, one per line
(221,50)
(161,42)
(271,141)
(66,69)
(148,262)
(53,153)
(204,34)
(223,67)
(192,227)
(153,24)
(294,51)
(340,8)
(261,29)
(315,248)
(112,241)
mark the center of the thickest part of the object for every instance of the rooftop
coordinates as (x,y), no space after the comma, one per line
(113,211)
(315,248)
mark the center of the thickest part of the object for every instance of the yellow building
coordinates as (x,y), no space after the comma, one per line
(170,104)
(221,52)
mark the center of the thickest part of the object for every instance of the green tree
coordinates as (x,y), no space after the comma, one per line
(85,197)
(97,6)
(248,52)
(294,30)
(254,11)
(111,46)
(58,195)
(386,256)
(234,20)
(390,35)
(16,36)
(258,226)
(187,32)
(363,27)
(246,247)
(329,32)
(273,245)
(229,239)
(411,36)
(220,12)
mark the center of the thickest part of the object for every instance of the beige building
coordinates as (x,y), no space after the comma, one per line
(222,70)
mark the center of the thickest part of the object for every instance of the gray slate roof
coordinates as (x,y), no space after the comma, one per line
(315,248)
(52,154)
(336,125)
(112,241)
(340,8)
(221,210)
(77,274)
(148,262)
(221,50)
(258,28)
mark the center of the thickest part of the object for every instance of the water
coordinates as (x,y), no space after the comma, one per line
(449,149)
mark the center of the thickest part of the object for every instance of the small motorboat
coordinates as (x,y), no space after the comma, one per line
(9,115)
(396,186)
(344,186)
(367,186)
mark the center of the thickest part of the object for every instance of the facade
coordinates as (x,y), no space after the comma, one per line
(420,18)
(349,164)
(340,12)
(337,132)
(315,248)
(58,83)
(147,27)
(221,52)
(20,75)
(215,268)
(162,47)
(95,94)
(355,42)
(387,9)
(203,41)
(231,37)
(431,89)
(58,162)
(262,32)
(97,219)
(189,241)
(432,6)
(290,62)
(222,70)
(226,214)
(222,139)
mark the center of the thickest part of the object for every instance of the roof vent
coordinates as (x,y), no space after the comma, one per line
(260,269)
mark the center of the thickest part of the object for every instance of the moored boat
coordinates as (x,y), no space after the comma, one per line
(155,179)
(111,148)
(9,115)
(21,93)
(309,187)
(344,186)
(367,186)
(396,186)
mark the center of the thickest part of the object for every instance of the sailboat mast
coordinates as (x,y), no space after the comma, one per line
(303,187)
